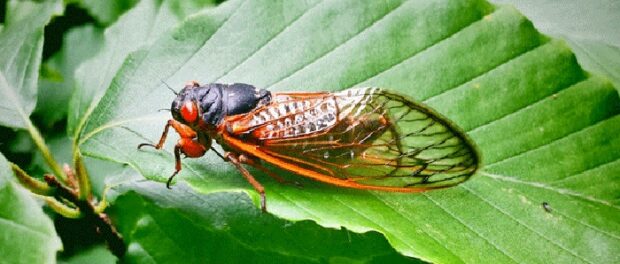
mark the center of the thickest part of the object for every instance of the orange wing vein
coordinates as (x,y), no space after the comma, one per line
(365,138)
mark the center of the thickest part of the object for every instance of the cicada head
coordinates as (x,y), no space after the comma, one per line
(194,103)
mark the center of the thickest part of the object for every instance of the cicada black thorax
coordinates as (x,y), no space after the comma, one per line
(215,101)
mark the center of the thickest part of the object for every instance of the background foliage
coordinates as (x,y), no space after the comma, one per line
(546,128)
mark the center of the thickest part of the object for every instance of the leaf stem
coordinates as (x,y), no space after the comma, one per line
(34,132)
(62,209)
(82,176)
(103,204)
(47,155)
(34,185)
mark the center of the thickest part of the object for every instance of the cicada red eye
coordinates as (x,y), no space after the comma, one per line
(189,112)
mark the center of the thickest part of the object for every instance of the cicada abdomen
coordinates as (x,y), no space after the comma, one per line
(366,137)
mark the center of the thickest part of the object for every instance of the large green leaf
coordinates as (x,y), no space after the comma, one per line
(21,45)
(135,29)
(183,226)
(546,129)
(28,234)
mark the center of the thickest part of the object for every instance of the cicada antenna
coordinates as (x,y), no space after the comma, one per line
(170,88)
(164,109)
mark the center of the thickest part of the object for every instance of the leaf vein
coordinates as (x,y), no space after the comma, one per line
(373,222)
(265,44)
(470,228)
(412,56)
(401,214)
(555,140)
(23,227)
(85,119)
(530,105)
(521,223)
(601,67)
(547,187)
(581,173)
(300,69)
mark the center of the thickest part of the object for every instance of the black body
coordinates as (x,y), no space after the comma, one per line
(216,101)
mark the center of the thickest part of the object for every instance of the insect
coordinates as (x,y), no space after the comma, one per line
(546,207)
(362,138)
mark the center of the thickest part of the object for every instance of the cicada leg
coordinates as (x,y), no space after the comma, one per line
(188,144)
(256,164)
(234,159)
(191,148)
(183,130)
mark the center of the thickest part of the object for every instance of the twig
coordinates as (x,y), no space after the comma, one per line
(102,222)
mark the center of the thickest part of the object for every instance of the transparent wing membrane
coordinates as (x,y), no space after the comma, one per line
(366,136)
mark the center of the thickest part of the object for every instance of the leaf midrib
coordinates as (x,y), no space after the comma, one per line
(547,187)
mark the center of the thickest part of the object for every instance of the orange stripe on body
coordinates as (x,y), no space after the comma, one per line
(252,149)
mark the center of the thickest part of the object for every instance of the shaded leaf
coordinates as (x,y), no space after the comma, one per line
(107,12)
(21,45)
(592,20)
(599,57)
(587,26)
(95,255)
(57,81)
(18,12)
(183,226)
(546,129)
(28,234)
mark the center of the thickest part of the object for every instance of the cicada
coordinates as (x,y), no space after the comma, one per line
(362,138)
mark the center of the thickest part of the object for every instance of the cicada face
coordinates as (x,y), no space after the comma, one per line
(184,108)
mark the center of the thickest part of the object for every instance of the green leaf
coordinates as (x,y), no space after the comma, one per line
(57,80)
(21,45)
(107,12)
(598,57)
(593,20)
(547,130)
(28,234)
(32,13)
(135,29)
(165,226)
(94,255)
(587,26)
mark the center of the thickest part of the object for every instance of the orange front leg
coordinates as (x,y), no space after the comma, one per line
(191,148)
(183,131)
(188,144)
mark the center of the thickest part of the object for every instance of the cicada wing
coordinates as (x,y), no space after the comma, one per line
(367,137)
